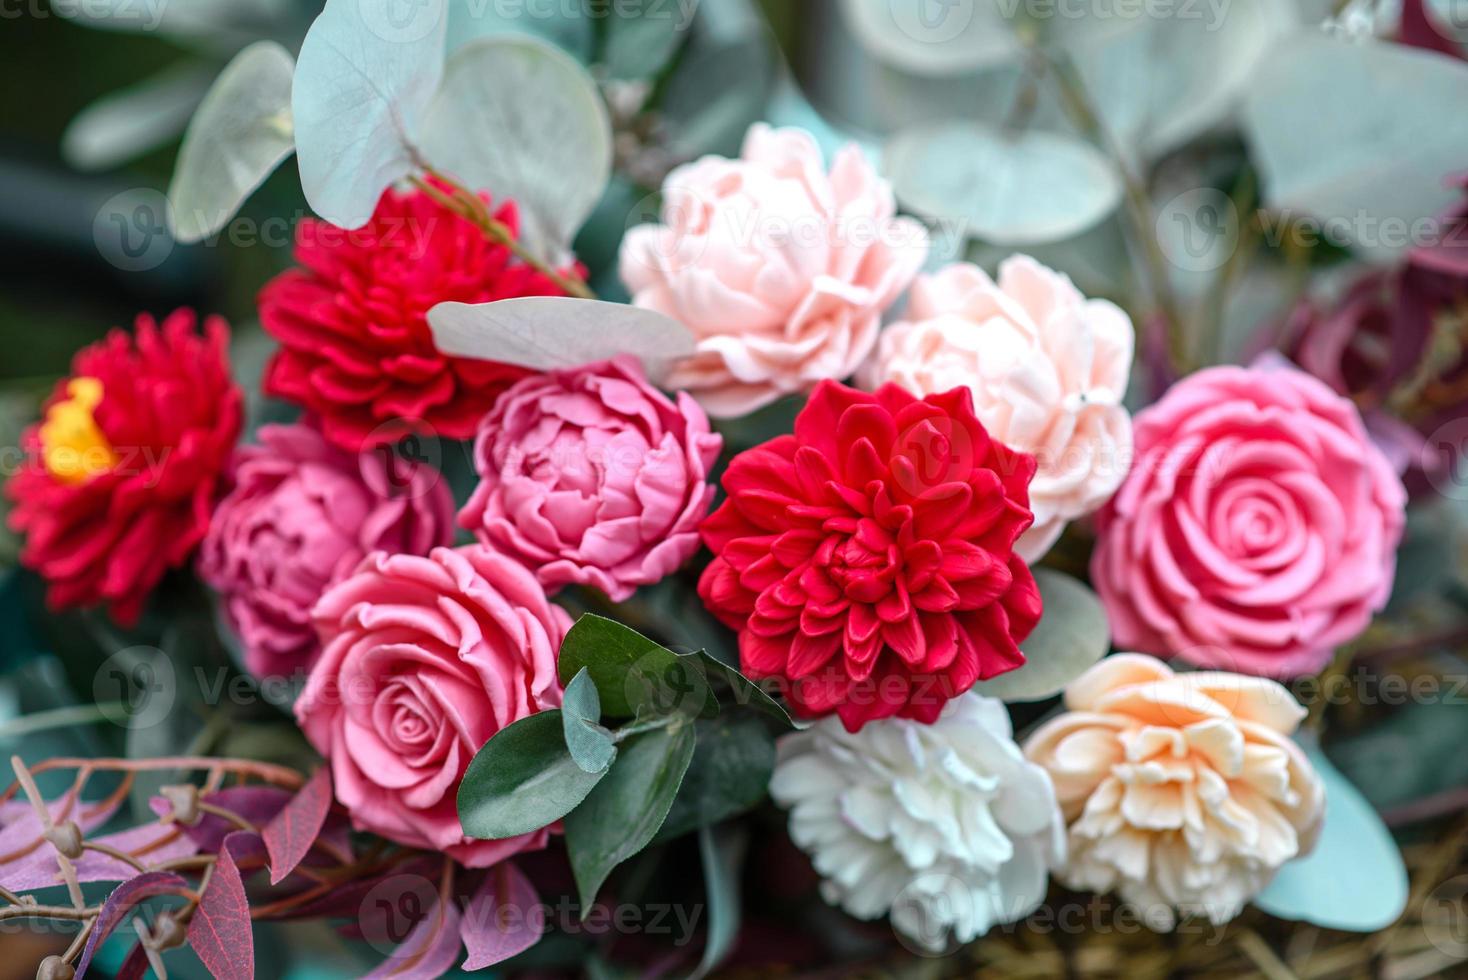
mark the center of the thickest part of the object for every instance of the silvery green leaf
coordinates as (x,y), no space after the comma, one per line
(366,73)
(1008,189)
(639,45)
(1071,636)
(723,79)
(237,138)
(1359,134)
(548,332)
(519,118)
(131,121)
(935,38)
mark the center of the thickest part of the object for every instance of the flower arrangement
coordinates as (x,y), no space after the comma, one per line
(771,551)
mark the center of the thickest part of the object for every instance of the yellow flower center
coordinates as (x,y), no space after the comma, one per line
(72,447)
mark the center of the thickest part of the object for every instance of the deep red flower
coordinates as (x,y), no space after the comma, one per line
(867,560)
(121,476)
(353,328)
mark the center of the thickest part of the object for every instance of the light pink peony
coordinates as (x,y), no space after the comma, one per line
(593,476)
(300,516)
(424,660)
(781,271)
(1047,368)
(1258,528)
(1183,792)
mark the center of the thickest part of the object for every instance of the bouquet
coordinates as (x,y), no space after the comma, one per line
(634,544)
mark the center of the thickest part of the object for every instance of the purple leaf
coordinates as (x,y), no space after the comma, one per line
(24,830)
(121,902)
(220,932)
(135,967)
(429,951)
(256,804)
(289,836)
(345,901)
(503,918)
(151,843)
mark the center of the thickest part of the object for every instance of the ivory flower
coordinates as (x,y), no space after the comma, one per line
(1183,792)
(946,825)
(1046,366)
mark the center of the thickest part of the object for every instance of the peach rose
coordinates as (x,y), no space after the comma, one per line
(1183,792)
(1047,368)
(781,270)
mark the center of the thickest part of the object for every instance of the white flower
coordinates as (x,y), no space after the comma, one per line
(945,825)
(1046,366)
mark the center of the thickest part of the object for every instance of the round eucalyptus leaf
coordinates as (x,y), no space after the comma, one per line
(1071,636)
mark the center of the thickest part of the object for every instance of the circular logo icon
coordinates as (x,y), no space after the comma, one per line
(658,685)
(1445,917)
(131,230)
(406,460)
(393,908)
(933,453)
(401,21)
(1449,18)
(682,222)
(1444,459)
(930,912)
(932,21)
(135,687)
(1198,230)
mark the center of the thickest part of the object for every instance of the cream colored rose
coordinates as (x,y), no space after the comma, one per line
(1182,792)
(1047,368)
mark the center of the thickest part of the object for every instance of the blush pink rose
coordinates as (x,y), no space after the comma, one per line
(1258,528)
(1047,368)
(781,270)
(301,515)
(593,476)
(423,660)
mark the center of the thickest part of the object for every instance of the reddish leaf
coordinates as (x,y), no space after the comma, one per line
(152,843)
(503,918)
(289,836)
(121,902)
(256,804)
(220,931)
(346,900)
(135,967)
(430,951)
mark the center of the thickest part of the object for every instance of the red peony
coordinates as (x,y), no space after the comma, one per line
(868,562)
(120,476)
(353,327)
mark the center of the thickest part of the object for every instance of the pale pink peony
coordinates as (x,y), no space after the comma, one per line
(781,270)
(1047,368)
(424,659)
(1257,530)
(1183,792)
(593,476)
(300,515)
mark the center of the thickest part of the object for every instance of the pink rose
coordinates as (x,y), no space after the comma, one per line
(1046,366)
(300,516)
(424,660)
(593,476)
(781,271)
(1258,528)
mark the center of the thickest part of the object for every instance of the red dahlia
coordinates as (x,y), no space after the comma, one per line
(352,321)
(867,560)
(120,476)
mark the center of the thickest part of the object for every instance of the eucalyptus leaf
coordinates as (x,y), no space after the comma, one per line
(723,79)
(131,121)
(729,774)
(935,38)
(550,332)
(745,692)
(1071,636)
(633,674)
(364,80)
(565,25)
(519,118)
(239,135)
(1009,189)
(640,45)
(1328,122)
(721,852)
(588,742)
(522,779)
(1354,880)
(626,809)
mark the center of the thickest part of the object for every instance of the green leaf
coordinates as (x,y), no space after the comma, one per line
(729,774)
(634,675)
(934,39)
(523,779)
(638,46)
(626,809)
(1071,636)
(1354,880)
(721,852)
(588,742)
(744,691)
